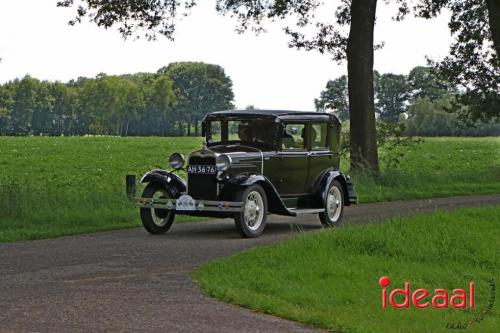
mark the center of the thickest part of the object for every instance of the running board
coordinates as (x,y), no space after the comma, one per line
(306,211)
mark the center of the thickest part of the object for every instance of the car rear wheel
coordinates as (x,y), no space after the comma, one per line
(156,220)
(252,220)
(334,205)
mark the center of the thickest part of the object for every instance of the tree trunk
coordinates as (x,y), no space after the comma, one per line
(494,18)
(196,127)
(188,128)
(360,84)
(126,128)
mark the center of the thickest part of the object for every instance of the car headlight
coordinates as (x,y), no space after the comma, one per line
(223,162)
(176,161)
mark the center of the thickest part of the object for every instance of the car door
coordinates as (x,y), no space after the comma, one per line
(293,160)
(320,155)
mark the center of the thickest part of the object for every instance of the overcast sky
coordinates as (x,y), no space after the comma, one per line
(35,39)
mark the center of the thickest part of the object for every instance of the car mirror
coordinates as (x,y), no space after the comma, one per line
(293,131)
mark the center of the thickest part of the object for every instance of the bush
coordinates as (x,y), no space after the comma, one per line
(429,118)
(391,139)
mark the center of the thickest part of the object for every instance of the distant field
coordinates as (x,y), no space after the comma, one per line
(329,279)
(59,186)
(438,167)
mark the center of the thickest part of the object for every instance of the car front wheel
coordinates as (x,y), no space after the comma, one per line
(334,205)
(156,220)
(251,221)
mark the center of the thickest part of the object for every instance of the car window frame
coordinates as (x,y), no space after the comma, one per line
(327,143)
(224,134)
(304,149)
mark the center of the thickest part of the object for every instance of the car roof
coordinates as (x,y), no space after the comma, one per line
(278,115)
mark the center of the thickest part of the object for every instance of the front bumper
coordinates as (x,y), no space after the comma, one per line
(186,204)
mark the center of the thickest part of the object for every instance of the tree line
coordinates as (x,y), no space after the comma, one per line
(170,102)
(422,100)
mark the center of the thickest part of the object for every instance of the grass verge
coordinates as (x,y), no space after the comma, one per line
(329,279)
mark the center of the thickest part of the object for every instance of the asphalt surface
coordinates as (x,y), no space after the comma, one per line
(130,281)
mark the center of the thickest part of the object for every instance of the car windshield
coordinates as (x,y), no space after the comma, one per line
(255,132)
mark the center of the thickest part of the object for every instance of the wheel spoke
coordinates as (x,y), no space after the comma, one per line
(334,204)
(253,212)
(160,216)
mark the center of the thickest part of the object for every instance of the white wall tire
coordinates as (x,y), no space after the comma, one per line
(156,221)
(334,205)
(251,222)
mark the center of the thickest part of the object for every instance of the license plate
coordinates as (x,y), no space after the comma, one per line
(202,169)
(185,202)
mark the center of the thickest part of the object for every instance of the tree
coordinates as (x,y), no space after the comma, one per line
(361,95)
(392,93)
(65,108)
(473,64)
(429,118)
(25,103)
(43,116)
(160,102)
(111,103)
(424,82)
(130,104)
(7,93)
(494,20)
(200,88)
(335,97)
(432,118)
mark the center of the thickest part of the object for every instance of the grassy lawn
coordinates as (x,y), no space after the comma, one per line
(60,186)
(329,279)
(438,167)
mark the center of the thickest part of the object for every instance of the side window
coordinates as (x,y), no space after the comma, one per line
(294,136)
(319,135)
(215,131)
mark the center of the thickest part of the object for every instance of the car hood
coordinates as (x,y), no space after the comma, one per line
(245,158)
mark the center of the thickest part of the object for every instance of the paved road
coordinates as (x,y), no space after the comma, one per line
(130,281)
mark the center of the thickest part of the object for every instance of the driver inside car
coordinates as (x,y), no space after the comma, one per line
(244,133)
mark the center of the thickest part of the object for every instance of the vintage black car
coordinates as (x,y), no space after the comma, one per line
(254,163)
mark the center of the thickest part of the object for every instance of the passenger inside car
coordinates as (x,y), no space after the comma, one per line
(291,138)
(287,141)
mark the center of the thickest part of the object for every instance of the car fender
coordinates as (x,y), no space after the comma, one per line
(274,203)
(345,181)
(171,181)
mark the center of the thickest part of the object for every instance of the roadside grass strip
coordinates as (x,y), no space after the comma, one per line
(330,279)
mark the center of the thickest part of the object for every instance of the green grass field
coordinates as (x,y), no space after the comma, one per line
(60,186)
(329,279)
(438,167)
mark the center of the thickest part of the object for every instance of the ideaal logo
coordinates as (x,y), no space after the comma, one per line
(439,299)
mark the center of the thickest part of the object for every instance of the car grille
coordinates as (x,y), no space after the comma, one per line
(202,186)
